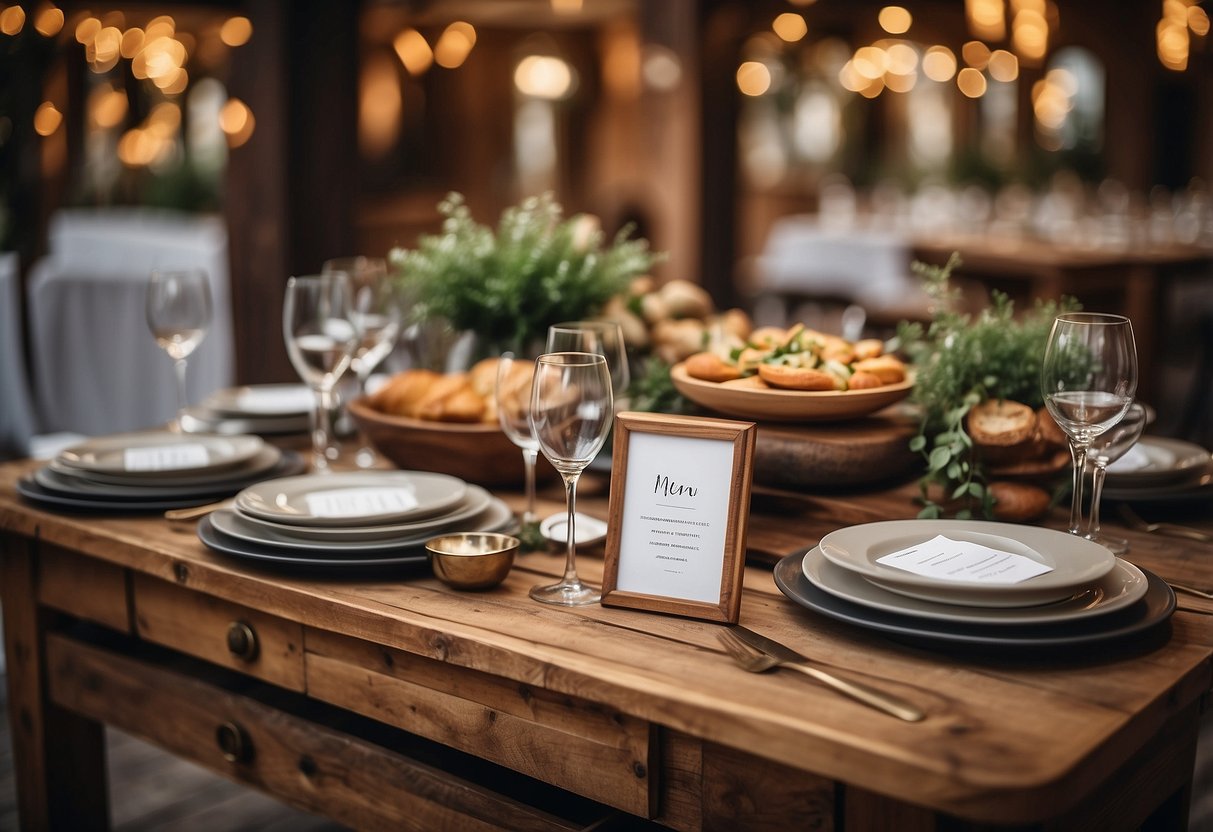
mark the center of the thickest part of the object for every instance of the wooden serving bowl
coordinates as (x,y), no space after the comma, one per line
(479,453)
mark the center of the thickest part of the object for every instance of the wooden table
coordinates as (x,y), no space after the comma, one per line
(396,703)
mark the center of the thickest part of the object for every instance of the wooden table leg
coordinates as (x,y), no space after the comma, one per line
(59,757)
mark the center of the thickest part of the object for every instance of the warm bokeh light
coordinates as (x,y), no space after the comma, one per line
(236,121)
(160,27)
(939,63)
(236,31)
(1172,45)
(873,88)
(661,68)
(850,79)
(753,78)
(165,119)
(900,83)
(132,42)
(1003,66)
(107,45)
(48,20)
(870,61)
(1029,35)
(566,6)
(107,106)
(976,54)
(543,76)
(413,51)
(895,20)
(12,20)
(454,45)
(47,119)
(986,19)
(174,83)
(379,105)
(621,61)
(87,29)
(790,27)
(1198,21)
(902,59)
(971,82)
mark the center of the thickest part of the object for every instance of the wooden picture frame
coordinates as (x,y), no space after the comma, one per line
(679,511)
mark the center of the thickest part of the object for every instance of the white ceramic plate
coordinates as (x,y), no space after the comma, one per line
(1161,460)
(160,454)
(1074,561)
(474,502)
(586,529)
(365,497)
(1122,586)
(263,461)
(203,420)
(493,515)
(262,400)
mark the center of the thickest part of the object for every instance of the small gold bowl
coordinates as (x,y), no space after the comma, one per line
(472,560)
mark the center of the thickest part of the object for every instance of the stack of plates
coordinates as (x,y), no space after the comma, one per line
(259,408)
(366,519)
(1087,596)
(155,471)
(1158,468)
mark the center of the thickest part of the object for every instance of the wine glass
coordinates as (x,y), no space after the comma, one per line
(178,310)
(1106,449)
(604,337)
(513,395)
(321,337)
(377,314)
(571,411)
(1088,381)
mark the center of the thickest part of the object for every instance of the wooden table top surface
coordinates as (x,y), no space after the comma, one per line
(1006,738)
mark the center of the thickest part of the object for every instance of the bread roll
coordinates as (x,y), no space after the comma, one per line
(1003,430)
(797,378)
(403,392)
(887,368)
(709,366)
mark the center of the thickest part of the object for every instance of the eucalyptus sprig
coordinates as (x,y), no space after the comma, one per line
(508,285)
(960,362)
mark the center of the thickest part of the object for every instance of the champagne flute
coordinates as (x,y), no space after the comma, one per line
(178,310)
(513,394)
(1088,381)
(603,337)
(1106,449)
(321,337)
(377,313)
(571,411)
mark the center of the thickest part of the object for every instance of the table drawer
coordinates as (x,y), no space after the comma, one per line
(219,631)
(87,588)
(592,750)
(308,764)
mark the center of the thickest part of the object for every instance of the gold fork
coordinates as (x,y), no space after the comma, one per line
(750,659)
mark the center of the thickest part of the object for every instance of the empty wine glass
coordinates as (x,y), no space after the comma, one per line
(178,310)
(1088,381)
(321,338)
(1110,446)
(603,337)
(571,412)
(513,394)
(377,312)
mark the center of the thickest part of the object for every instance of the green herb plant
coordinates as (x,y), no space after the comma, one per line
(509,284)
(960,362)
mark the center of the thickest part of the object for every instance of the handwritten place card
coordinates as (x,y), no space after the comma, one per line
(360,502)
(165,457)
(964,561)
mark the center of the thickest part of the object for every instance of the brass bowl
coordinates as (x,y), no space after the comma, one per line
(472,560)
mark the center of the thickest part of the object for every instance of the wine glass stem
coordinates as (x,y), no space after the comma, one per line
(182,395)
(1078,450)
(1096,490)
(321,429)
(529,458)
(570,496)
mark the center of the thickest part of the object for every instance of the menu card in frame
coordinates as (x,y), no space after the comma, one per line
(680,503)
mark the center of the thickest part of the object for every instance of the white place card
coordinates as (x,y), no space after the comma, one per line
(271,400)
(360,502)
(165,457)
(964,561)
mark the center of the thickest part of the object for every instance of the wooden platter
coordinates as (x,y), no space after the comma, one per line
(837,454)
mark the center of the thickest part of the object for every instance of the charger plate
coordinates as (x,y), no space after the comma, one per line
(108,454)
(289,500)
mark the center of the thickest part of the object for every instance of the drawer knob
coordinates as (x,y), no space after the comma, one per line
(234,743)
(242,640)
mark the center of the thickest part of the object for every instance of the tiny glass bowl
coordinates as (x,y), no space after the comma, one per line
(472,560)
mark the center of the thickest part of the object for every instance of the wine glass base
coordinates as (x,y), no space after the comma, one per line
(1116,545)
(566,595)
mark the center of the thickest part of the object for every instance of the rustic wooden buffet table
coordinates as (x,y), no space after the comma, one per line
(392,702)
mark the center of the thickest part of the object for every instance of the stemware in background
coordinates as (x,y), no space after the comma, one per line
(1088,381)
(571,411)
(513,393)
(321,337)
(178,310)
(602,337)
(1110,446)
(376,312)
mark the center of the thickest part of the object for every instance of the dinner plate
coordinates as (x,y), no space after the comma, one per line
(160,454)
(750,398)
(1124,585)
(1198,487)
(270,555)
(245,473)
(352,499)
(262,400)
(1158,460)
(199,419)
(586,529)
(1074,561)
(474,502)
(492,515)
(1152,610)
